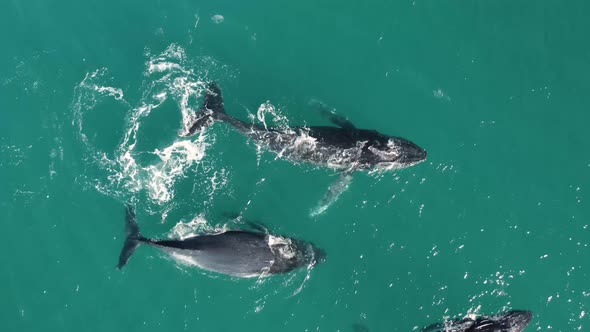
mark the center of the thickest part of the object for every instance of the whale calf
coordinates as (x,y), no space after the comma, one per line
(342,147)
(238,253)
(510,321)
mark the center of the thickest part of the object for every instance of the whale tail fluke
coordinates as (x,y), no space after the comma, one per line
(212,110)
(133,237)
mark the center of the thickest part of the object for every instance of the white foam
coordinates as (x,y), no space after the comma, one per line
(304,142)
(280,120)
(158,179)
(170,76)
(114,92)
(262,110)
(218,180)
(170,61)
(185,88)
(188,151)
(159,67)
(196,226)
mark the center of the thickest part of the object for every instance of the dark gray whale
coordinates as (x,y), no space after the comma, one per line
(344,147)
(237,253)
(510,321)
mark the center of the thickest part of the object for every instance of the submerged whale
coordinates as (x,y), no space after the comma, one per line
(238,253)
(510,321)
(343,147)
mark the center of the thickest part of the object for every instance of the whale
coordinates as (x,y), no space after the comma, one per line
(342,146)
(510,321)
(238,253)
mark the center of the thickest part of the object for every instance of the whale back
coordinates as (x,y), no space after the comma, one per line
(236,253)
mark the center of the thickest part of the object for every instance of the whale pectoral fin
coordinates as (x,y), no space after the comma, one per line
(451,325)
(255,225)
(334,191)
(338,120)
(331,115)
(232,215)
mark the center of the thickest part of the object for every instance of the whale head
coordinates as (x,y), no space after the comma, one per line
(291,254)
(319,255)
(309,254)
(388,152)
(515,320)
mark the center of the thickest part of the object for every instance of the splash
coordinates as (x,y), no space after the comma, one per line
(280,120)
(160,177)
(198,225)
(170,78)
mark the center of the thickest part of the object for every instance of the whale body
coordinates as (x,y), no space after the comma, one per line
(510,321)
(343,147)
(238,253)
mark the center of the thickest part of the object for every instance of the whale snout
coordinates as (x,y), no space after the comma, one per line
(517,319)
(412,153)
(419,154)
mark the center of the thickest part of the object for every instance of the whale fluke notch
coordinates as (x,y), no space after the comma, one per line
(133,238)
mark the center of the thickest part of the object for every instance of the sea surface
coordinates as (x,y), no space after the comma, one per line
(94,95)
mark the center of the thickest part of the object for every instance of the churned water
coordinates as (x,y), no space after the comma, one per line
(94,97)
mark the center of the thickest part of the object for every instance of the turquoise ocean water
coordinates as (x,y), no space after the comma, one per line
(93,95)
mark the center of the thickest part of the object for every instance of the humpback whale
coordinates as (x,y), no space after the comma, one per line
(238,253)
(343,146)
(510,321)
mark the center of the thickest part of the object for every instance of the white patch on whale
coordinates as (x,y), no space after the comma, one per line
(282,246)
